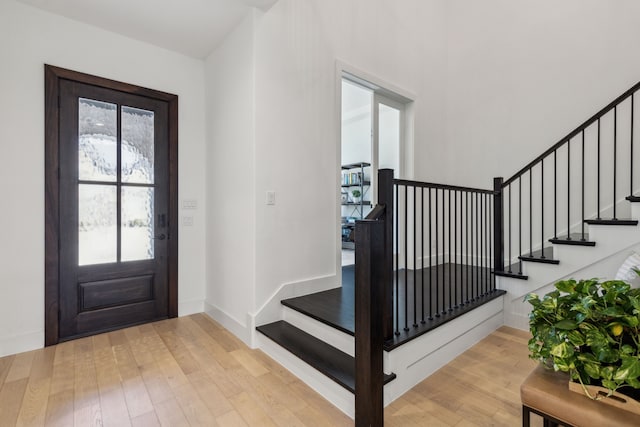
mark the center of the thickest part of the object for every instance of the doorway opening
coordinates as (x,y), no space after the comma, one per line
(372,137)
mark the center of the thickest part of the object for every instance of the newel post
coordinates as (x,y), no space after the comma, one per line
(498,225)
(385,197)
(369,407)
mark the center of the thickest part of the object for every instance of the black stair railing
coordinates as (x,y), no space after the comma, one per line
(575,181)
(428,249)
(443,248)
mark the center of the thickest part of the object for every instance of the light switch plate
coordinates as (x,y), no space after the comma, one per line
(189,204)
(271,198)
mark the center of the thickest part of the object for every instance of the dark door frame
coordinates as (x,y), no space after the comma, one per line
(53,76)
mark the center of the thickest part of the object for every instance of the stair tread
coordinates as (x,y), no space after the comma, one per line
(544,255)
(512,271)
(335,364)
(576,239)
(611,221)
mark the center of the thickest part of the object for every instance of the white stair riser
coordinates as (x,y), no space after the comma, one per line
(340,340)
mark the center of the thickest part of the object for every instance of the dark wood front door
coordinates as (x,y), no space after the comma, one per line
(116,206)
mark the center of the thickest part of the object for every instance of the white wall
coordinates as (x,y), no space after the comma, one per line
(231,179)
(297,120)
(29,38)
(522,74)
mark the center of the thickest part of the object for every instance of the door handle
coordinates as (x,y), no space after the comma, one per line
(162,220)
(160,237)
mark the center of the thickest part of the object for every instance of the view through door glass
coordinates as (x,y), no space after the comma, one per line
(113,209)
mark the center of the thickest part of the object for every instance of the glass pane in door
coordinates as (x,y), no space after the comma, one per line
(97,224)
(137,223)
(97,140)
(137,145)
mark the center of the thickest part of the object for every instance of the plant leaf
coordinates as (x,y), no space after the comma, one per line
(630,368)
(566,324)
(592,370)
(611,385)
(566,286)
(562,350)
(576,338)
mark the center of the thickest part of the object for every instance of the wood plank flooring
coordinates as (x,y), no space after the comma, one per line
(191,371)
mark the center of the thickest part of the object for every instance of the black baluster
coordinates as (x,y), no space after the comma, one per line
(397,272)
(473,258)
(406,258)
(449,249)
(437,308)
(455,247)
(415,262)
(487,267)
(443,251)
(430,260)
(509,260)
(582,237)
(598,172)
(482,240)
(422,252)
(615,160)
(531,212)
(555,194)
(477,261)
(568,189)
(490,239)
(542,208)
(520,225)
(631,151)
(466,232)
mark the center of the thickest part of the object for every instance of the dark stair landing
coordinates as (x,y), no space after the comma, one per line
(335,364)
(336,307)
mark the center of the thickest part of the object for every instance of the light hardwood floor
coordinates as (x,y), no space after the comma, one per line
(191,371)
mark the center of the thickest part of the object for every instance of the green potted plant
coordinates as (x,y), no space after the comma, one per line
(356,195)
(589,329)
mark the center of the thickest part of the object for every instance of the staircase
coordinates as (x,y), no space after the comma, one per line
(573,211)
(318,346)
(464,258)
(449,283)
(600,255)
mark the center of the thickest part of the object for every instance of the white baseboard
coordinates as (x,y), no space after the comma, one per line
(186,308)
(20,343)
(237,328)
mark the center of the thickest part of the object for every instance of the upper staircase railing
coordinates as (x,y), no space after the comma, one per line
(577,181)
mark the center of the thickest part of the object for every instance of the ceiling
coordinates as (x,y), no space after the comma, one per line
(192,27)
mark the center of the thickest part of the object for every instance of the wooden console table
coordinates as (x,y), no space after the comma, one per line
(547,394)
